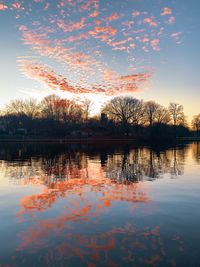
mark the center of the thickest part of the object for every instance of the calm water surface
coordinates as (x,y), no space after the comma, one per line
(95,205)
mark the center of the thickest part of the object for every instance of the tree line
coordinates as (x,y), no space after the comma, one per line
(123,115)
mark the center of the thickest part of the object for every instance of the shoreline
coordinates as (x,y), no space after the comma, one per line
(95,140)
(67,140)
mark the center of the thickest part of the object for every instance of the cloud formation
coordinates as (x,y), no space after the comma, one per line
(113,84)
(91,48)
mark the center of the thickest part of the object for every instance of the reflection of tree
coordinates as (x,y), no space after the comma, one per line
(92,185)
(124,167)
(143,163)
(196,151)
(96,246)
(81,207)
(128,164)
(177,163)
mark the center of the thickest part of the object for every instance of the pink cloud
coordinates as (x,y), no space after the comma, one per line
(3,7)
(49,77)
(114,84)
(78,46)
(112,17)
(154,44)
(166,11)
(171,20)
(150,22)
(16,5)
(136,13)
(73,26)
(94,14)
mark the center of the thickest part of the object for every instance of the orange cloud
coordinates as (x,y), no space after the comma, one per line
(112,17)
(73,26)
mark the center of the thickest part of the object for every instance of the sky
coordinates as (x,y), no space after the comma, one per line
(99,49)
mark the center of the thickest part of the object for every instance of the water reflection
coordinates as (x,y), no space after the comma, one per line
(91,204)
(128,164)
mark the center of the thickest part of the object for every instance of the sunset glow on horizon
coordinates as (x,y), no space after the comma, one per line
(99,49)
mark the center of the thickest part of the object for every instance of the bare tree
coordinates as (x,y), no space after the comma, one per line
(151,108)
(162,115)
(87,107)
(63,110)
(32,109)
(125,110)
(196,123)
(50,107)
(15,107)
(176,114)
(70,111)
(137,112)
(29,108)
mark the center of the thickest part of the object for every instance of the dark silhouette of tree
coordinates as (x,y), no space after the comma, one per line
(124,110)
(177,117)
(196,123)
(137,116)
(50,107)
(57,117)
(29,108)
(58,109)
(151,108)
(162,115)
(177,114)
(69,111)
(32,108)
(86,105)
(15,107)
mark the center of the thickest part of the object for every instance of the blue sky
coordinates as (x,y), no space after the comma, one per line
(99,49)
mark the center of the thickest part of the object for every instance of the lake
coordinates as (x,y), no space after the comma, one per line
(99,205)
